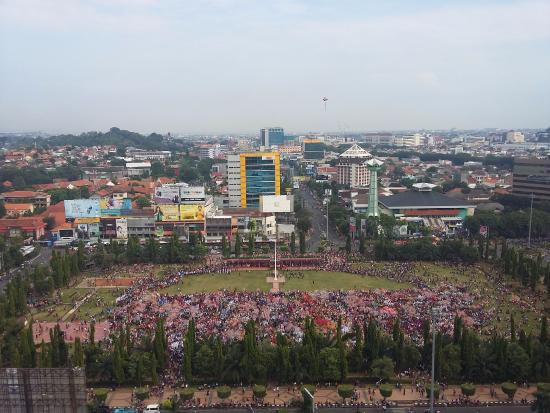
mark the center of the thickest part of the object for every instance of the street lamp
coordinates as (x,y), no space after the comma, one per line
(312,398)
(433,313)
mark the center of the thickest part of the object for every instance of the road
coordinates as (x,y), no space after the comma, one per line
(318,222)
(493,409)
(43,258)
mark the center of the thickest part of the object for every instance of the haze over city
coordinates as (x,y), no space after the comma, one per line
(233,66)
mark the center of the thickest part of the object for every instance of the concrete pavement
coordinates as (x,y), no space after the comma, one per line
(43,258)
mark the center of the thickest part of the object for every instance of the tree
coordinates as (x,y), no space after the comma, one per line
(237,245)
(187,393)
(223,392)
(302,242)
(542,402)
(259,391)
(204,360)
(225,247)
(386,390)
(143,202)
(383,368)
(293,243)
(468,389)
(345,391)
(509,389)
(362,244)
(348,244)
(329,365)
(251,243)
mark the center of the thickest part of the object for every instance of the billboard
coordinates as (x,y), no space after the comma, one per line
(86,220)
(121,228)
(191,212)
(81,208)
(192,193)
(167,213)
(115,207)
(277,203)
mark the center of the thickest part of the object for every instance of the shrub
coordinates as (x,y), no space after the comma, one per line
(436,391)
(142,393)
(187,393)
(509,389)
(345,391)
(386,390)
(543,387)
(223,392)
(101,394)
(167,405)
(259,391)
(309,387)
(468,389)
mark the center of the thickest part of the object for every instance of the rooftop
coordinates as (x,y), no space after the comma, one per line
(422,199)
(355,152)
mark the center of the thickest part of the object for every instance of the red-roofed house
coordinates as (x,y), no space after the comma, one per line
(23,227)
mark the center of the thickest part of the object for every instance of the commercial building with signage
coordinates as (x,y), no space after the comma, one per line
(251,175)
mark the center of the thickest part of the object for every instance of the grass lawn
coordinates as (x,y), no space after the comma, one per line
(44,315)
(255,280)
(107,297)
(322,280)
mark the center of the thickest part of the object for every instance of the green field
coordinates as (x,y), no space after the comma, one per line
(255,280)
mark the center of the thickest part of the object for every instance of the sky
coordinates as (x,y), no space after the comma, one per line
(234,66)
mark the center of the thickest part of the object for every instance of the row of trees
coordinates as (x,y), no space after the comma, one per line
(462,356)
(425,250)
(27,288)
(173,252)
(529,271)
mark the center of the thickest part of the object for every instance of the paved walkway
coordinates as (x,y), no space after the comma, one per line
(284,394)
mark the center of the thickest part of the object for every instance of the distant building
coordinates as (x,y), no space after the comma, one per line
(532,176)
(17,210)
(313,149)
(433,209)
(514,137)
(23,227)
(138,168)
(37,199)
(251,175)
(209,151)
(383,138)
(272,136)
(413,140)
(352,167)
(143,155)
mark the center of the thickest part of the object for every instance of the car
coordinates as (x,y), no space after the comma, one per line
(124,410)
(152,408)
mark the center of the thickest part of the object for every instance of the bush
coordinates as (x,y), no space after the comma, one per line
(386,390)
(436,391)
(187,393)
(468,389)
(101,394)
(309,387)
(345,391)
(543,387)
(142,393)
(259,391)
(509,389)
(223,392)
(167,405)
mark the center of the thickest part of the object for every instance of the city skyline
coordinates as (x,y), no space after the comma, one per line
(235,66)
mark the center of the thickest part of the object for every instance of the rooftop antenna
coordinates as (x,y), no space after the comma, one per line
(325,102)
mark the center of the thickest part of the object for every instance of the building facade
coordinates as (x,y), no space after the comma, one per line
(313,149)
(532,176)
(251,175)
(272,136)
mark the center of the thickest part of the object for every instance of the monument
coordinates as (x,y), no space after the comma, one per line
(374,166)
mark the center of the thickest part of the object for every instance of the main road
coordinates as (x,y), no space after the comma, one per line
(490,409)
(43,258)
(319,222)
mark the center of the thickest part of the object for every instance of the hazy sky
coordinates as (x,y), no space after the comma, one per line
(237,65)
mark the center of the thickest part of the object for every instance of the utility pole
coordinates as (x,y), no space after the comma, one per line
(327,219)
(530,222)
